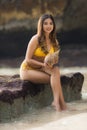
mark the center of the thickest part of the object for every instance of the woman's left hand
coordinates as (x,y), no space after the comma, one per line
(47,68)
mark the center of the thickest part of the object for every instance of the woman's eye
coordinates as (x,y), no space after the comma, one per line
(45,23)
(51,23)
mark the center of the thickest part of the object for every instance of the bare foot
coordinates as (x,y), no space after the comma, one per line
(64,107)
(56,106)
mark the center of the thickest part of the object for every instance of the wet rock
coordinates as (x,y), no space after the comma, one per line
(12,87)
(72,86)
(18,96)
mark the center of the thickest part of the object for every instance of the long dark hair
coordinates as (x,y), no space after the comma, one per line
(40,32)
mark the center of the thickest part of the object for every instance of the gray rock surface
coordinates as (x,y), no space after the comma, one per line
(18,97)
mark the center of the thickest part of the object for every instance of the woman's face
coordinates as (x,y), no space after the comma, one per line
(48,25)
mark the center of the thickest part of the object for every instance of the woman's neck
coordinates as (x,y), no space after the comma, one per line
(48,42)
(47,36)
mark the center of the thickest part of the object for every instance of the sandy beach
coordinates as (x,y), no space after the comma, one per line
(75,122)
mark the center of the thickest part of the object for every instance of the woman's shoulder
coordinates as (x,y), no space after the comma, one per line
(34,40)
(34,37)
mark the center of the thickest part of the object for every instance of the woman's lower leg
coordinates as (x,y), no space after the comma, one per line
(58,102)
(55,90)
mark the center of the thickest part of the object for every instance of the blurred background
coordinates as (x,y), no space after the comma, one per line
(18,22)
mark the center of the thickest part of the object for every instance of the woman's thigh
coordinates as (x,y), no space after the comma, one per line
(35,76)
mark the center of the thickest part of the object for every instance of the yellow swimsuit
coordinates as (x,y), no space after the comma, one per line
(38,53)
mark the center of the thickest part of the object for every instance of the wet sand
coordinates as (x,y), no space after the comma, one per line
(75,122)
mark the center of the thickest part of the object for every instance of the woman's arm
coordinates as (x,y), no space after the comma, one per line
(30,52)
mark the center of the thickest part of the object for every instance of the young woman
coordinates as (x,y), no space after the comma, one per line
(33,67)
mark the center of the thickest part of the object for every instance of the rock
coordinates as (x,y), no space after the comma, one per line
(18,97)
(66,11)
(72,86)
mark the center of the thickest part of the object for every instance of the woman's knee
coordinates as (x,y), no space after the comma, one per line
(55,70)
